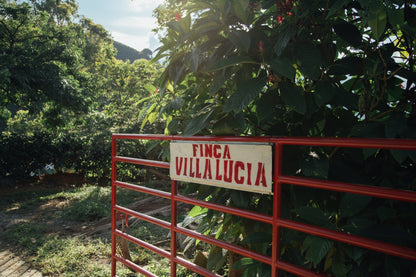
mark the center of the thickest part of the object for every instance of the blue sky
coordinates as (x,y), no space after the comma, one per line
(129,21)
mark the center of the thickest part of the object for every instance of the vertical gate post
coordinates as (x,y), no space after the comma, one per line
(173,223)
(113,204)
(276,208)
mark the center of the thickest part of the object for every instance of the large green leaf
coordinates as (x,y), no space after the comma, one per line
(241,199)
(196,211)
(347,66)
(284,67)
(349,33)
(352,204)
(217,82)
(293,98)
(246,92)
(309,58)
(216,259)
(240,39)
(377,21)
(337,6)
(395,17)
(266,106)
(240,9)
(312,215)
(283,38)
(175,25)
(315,167)
(244,263)
(316,248)
(198,123)
(192,59)
(324,93)
(231,61)
(258,238)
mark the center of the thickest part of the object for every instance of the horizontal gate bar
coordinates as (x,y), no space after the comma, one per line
(382,192)
(371,244)
(133,266)
(404,144)
(195,267)
(225,245)
(143,216)
(297,270)
(141,161)
(144,244)
(138,188)
(276,221)
(226,209)
(162,253)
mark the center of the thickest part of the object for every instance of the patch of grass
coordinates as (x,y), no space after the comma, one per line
(28,235)
(76,257)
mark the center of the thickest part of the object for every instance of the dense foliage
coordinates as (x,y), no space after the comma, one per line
(325,68)
(343,68)
(63,92)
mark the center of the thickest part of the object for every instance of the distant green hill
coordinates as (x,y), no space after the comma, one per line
(125,53)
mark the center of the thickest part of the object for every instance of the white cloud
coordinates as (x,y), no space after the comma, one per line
(143,5)
(139,42)
(135,22)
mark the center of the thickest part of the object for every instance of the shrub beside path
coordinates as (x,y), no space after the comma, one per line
(14,266)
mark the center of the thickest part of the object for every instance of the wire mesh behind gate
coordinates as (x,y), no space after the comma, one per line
(276,221)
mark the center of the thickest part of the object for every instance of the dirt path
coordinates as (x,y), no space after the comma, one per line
(14,266)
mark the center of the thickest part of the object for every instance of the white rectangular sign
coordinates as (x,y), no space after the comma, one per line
(239,166)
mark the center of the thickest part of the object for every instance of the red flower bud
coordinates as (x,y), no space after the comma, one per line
(261,46)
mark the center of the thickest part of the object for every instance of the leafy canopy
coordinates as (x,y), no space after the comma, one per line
(337,68)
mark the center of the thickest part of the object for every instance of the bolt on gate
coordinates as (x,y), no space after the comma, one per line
(275,220)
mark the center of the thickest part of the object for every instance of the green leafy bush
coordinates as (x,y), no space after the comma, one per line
(300,68)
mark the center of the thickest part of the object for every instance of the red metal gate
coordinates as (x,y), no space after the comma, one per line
(275,220)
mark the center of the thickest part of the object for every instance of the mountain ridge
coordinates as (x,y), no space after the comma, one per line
(127,53)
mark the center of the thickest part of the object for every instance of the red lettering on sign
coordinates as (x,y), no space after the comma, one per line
(261,176)
(217,153)
(238,165)
(207,171)
(198,174)
(185,167)
(249,174)
(228,178)
(226,152)
(194,149)
(201,150)
(217,171)
(208,150)
(179,165)
(191,173)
